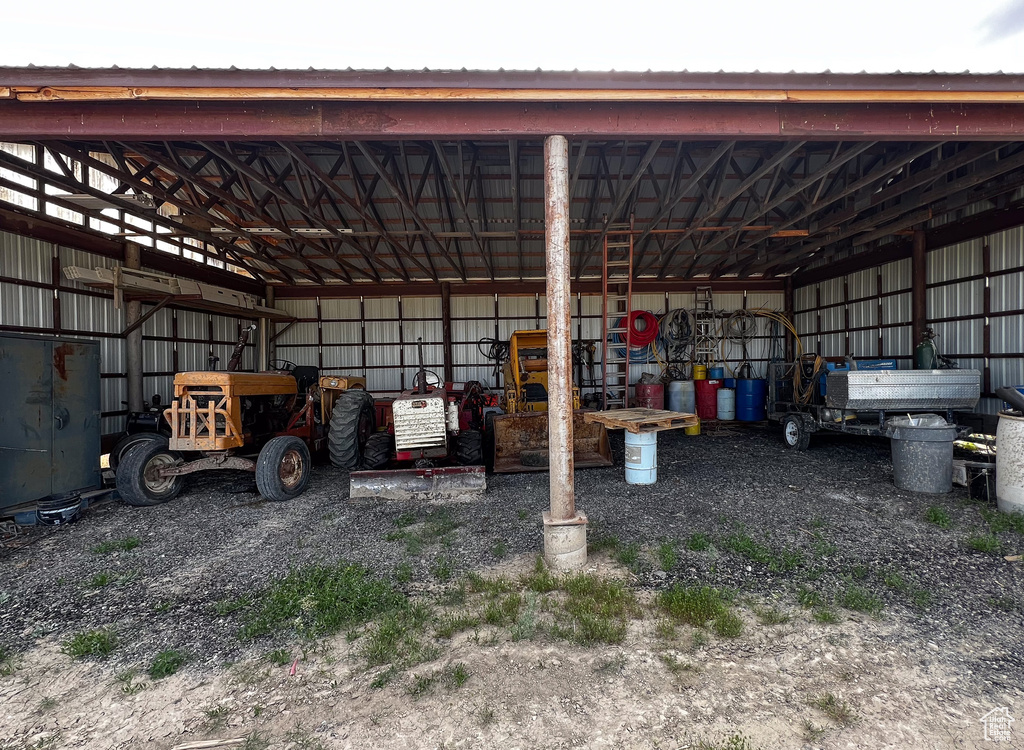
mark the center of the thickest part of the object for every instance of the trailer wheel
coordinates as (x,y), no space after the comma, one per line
(282,469)
(377,452)
(352,423)
(795,433)
(471,448)
(138,482)
(128,442)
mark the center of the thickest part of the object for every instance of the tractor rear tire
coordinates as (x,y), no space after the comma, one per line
(128,442)
(283,468)
(352,423)
(137,482)
(470,451)
(378,451)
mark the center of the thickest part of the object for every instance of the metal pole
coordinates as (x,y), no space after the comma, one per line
(919,280)
(446,331)
(565,530)
(263,344)
(133,343)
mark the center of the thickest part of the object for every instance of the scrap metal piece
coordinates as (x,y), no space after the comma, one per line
(448,484)
(521,442)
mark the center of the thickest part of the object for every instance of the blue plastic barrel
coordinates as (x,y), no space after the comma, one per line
(641,457)
(729,382)
(716,373)
(750,400)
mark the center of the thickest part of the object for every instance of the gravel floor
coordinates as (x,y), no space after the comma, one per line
(835,504)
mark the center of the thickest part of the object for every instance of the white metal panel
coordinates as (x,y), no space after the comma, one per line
(1007,372)
(862,284)
(343,357)
(160,324)
(112,355)
(339,309)
(590,304)
(955,300)
(431,331)
(519,307)
(833,345)
(960,337)
(381,382)
(381,308)
(192,357)
(864,343)
(300,308)
(806,322)
(342,333)
(833,319)
(225,328)
(728,301)
(479,306)
(955,261)
(863,313)
(157,356)
(472,330)
(305,334)
(25,258)
(421,307)
(896,275)
(654,303)
(677,300)
(382,332)
(831,291)
(507,327)
(1007,249)
(896,309)
(192,325)
(804,297)
(896,342)
(771,301)
(387,356)
(1007,292)
(163,385)
(26,306)
(81,313)
(1006,333)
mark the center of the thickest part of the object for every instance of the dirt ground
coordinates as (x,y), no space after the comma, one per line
(939,648)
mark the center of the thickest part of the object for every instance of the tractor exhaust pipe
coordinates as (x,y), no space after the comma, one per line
(422,378)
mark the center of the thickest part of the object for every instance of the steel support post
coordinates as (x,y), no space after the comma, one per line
(565,529)
(790,306)
(918,295)
(263,343)
(133,342)
(446,331)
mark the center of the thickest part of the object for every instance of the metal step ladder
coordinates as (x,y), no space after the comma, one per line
(616,306)
(704,322)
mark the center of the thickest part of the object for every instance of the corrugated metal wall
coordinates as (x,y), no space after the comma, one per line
(974,294)
(376,337)
(36,298)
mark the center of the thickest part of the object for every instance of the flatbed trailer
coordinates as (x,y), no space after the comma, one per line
(859,402)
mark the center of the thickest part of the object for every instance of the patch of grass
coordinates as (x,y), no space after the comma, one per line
(256,740)
(674,665)
(823,547)
(938,516)
(987,543)
(492,587)
(894,580)
(299,738)
(860,572)
(404,520)
(808,597)
(1004,603)
(541,580)
(692,605)
(216,716)
(397,638)
(743,544)
(812,732)
(836,709)
(629,556)
(825,615)
(453,676)
(727,624)
(787,560)
(698,542)
(486,716)
(665,629)
(100,580)
(457,674)
(771,616)
(920,598)
(667,555)
(598,610)
(385,678)
(117,545)
(8,665)
(698,640)
(226,607)
(320,600)
(451,624)
(280,657)
(503,610)
(47,704)
(860,599)
(164,606)
(732,742)
(403,573)
(166,663)
(999,522)
(525,626)
(614,665)
(598,542)
(454,595)
(98,643)
(500,549)
(443,569)
(128,684)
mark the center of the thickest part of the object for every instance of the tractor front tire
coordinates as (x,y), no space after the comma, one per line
(283,468)
(378,451)
(471,448)
(138,482)
(352,423)
(128,442)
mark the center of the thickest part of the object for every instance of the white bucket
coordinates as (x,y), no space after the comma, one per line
(1010,464)
(726,404)
(641,457)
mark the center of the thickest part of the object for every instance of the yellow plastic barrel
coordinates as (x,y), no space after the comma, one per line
(695,430)
(700,372)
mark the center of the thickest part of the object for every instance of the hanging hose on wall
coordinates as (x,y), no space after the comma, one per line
(739,329)
(643,335)
(496,351)
(676,329)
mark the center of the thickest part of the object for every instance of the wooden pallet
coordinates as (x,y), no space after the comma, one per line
(642,420)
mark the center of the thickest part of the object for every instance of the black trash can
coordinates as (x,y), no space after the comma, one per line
(922,453)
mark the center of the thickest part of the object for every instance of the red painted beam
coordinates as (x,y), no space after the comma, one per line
(503,120)
(514,287)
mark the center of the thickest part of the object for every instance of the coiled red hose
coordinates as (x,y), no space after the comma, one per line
(641,337)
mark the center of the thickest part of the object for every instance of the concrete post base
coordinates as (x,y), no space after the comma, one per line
(565,542)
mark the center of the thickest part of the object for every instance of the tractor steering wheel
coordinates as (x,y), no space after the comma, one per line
(433,379)
(282,364)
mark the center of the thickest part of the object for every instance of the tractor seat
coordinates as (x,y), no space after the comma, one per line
(306,376)
(535,392)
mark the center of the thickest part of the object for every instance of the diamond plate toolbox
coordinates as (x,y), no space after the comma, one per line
(903,390)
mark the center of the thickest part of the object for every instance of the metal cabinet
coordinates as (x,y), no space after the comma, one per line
(49,417)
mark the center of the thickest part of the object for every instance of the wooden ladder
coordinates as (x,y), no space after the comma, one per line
(616,306)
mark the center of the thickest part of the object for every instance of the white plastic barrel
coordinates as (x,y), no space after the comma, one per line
(681,396)
(641,457)
(726,404)
(1010,464)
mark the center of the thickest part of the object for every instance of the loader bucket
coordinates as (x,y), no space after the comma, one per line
(450,484)
(521,442)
